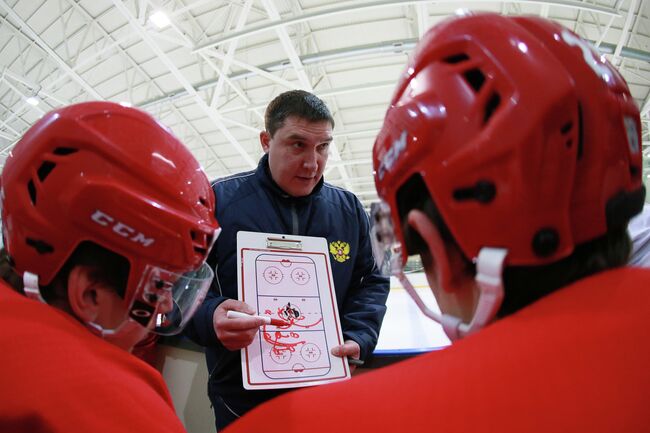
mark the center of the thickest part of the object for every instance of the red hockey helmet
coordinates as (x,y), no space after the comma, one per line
(525,137)
(111,175)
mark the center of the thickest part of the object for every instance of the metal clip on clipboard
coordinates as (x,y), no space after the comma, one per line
(283,243)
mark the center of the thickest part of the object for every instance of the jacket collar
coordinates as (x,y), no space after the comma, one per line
(263,173)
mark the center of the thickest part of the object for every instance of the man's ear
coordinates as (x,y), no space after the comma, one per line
(265,140)
(421,223)
(82,294)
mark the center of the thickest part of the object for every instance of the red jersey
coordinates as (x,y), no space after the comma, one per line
(56,376)
(577,360)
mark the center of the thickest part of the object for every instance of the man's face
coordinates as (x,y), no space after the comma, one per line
(113,313)
(298,153)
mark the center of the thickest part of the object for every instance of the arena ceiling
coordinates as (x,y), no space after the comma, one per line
(210,69)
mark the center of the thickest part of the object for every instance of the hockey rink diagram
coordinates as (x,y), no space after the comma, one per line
(292,287)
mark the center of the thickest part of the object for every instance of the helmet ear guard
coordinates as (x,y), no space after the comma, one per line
(527,170)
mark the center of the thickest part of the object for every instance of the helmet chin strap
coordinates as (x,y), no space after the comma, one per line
(118,336)
(489,268)
(31,288)
(448,322)
(114,336)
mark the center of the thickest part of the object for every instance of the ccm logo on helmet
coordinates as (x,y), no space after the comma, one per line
(389,159)
(589,54)
(120,228)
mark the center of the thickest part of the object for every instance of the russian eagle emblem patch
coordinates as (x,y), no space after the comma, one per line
(340,250)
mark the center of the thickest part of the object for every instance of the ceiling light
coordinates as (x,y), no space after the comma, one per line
(159,19)
(32,100)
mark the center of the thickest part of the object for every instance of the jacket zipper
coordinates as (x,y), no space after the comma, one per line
(294,220)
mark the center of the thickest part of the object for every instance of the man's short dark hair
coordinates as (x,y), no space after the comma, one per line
(299,103)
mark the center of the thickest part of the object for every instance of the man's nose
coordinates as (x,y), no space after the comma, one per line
(165,303)
(310,160)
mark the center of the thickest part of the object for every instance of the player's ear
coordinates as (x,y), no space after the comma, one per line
(422,224)
(265,140)
(82,295)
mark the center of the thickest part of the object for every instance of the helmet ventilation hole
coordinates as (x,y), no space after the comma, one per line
(491,106)
(566,129)
(45,169)
(41,247)
(475,78)
(200,241)
(483,191)
(456,58)
(63,151)
(32,191)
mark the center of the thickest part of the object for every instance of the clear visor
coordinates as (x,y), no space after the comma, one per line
(385,246)
(167,300)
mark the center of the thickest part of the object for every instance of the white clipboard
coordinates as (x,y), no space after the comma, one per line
(289,278)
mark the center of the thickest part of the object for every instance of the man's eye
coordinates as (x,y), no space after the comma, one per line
(297,145)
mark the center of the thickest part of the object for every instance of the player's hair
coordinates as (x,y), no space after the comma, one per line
(299,103)
(523,285)
(105,266)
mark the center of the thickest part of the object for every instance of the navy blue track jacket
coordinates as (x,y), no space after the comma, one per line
(252,201)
